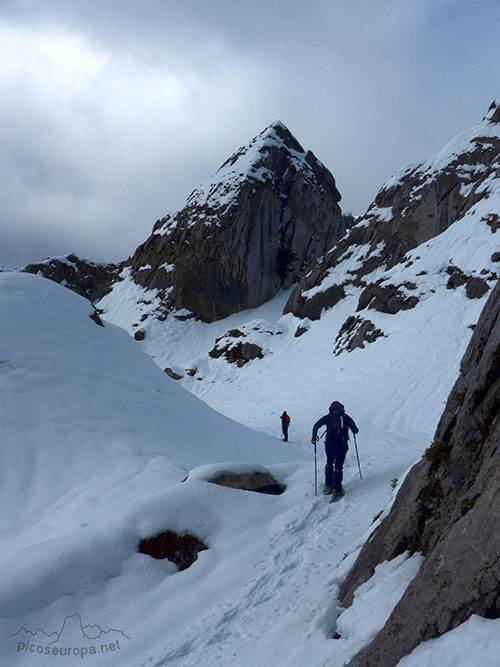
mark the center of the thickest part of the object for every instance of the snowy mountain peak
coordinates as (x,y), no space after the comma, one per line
(493,114)
(276,135)
(251,230)
(265,159)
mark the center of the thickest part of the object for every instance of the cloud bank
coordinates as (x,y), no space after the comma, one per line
(112,113)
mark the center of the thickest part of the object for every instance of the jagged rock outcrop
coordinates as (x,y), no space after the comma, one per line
(449,509)
(267,212)
(414,206)
(355,333)
(89,279)
(239,346)
(387,298)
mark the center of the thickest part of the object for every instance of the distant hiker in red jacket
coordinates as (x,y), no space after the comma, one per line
(337,424)
(285,423)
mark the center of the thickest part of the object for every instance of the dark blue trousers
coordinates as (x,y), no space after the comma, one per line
(336,450)
(284,428)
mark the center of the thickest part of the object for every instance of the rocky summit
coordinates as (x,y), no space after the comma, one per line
(267,213)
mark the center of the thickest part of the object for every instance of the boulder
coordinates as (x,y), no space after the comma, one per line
(261,482)
(239,353)
(171,373)
(182,550)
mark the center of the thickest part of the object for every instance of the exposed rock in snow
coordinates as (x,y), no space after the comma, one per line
(448,508)
(171,373)
(237,353)
(84,277)
(386,298)
(240,352)
(313,306)
(261,482)
(475,287)
(354,333)
(181,550)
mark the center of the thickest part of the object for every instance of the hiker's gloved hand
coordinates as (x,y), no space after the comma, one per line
(314,440)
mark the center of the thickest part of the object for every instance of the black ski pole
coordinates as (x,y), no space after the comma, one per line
(316,464)
(357,456)
(315,472)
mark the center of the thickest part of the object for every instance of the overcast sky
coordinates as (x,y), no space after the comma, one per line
(113,111)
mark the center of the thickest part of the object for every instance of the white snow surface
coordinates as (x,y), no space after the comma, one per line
(96,441)
(475,643)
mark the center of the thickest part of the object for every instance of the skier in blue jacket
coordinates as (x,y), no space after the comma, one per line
(337,424)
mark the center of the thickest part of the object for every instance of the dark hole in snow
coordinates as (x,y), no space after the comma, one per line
(261,482)
(182,551)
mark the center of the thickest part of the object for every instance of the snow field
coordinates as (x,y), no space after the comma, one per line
(96,443)
(97,440)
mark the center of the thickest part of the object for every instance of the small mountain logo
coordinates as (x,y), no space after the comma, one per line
(72,630)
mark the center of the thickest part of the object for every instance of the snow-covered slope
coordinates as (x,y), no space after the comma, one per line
(95,443)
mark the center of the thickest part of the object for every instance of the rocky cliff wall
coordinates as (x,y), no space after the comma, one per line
(449,509)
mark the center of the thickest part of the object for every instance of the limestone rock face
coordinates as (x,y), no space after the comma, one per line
(249,232)
(89,279)
(449,509)
(414,206)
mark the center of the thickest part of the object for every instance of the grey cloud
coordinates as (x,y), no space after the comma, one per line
(113,112)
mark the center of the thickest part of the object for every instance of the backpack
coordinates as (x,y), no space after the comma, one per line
(337,424)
